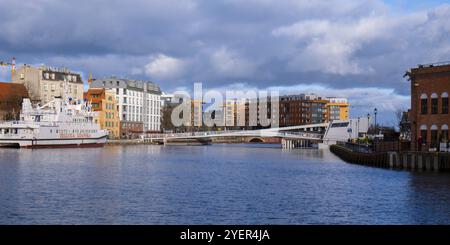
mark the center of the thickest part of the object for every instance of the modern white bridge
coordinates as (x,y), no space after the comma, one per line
(312,132)
(291,137)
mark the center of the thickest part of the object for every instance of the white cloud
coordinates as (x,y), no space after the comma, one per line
(231,64)
(331,46)
(165,67)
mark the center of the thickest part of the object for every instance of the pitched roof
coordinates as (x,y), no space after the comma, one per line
(7,89)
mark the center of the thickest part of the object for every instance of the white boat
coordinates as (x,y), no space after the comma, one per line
(58,123)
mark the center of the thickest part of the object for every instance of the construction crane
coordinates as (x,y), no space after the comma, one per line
(12,65)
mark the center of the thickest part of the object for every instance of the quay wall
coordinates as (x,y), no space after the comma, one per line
(430,161)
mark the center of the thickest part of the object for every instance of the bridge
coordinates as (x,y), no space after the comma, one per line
(295,136)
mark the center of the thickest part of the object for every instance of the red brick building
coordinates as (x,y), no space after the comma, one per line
(131,130)
(11,96)
(302,109)
(429,117)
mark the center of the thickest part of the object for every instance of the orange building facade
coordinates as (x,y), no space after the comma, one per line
(104,102)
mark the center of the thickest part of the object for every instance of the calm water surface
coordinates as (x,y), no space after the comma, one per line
(219,184)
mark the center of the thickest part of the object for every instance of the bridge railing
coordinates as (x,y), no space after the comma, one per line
(191,134)
(303,134)
(259,133)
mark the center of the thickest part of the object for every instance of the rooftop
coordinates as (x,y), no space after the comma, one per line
(429,68)
(12,89)
(113,82)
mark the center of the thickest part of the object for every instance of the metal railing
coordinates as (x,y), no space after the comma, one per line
(237,133)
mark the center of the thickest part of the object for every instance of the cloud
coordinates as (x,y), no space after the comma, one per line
(230,64)
(331,46)
(165,67)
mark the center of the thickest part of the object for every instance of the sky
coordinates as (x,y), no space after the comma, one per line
(358,49)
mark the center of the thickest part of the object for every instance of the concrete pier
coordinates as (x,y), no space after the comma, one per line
(295,144)
(428,161)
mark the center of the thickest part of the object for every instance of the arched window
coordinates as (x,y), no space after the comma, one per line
(444,97)
(424,104)
(434,136)
(434,103)
(444,133)
(423,133)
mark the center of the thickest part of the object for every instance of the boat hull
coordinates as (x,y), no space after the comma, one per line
(88,145)
(54,143)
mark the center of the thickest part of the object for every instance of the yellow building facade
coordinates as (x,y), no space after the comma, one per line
(338,109)
(104,102)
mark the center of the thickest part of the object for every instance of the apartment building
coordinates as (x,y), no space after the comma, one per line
(45,83)
(139,104)
(104,101)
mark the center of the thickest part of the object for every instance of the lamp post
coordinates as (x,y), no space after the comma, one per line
(358,128)
(368,124)
(375,111)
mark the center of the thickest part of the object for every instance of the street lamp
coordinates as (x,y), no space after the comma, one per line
(368,124)
(375,111)
(358,128)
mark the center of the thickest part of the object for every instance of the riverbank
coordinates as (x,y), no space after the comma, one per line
(429,161)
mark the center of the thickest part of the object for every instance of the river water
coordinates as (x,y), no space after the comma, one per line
(218,184)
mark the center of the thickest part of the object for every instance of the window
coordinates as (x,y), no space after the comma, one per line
(434,106)
(444,103)
(423,134)
(424,104)
(444,133)
(434,136)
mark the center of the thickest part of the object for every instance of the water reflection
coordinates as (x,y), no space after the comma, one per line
(219,184)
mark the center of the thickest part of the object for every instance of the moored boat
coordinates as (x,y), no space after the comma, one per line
(59,123)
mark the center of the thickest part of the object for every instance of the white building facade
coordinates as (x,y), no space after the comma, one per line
(138,101)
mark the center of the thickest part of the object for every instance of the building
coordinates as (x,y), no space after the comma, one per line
(303,109)
(312,109)
(429,116)
(11,96)
(139,104)
(196,115)
(337,109)
(44,83)
(168,104)
(104,101)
